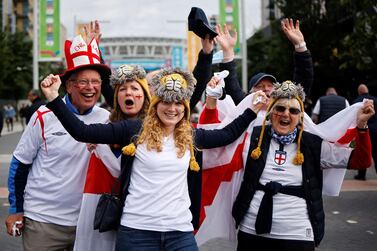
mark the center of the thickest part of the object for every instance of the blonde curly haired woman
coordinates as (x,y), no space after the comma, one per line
(156,157)
(131,101)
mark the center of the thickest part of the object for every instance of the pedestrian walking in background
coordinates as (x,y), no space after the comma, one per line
(21,114)
(9,114)
(328,105)
(363,92)
(34,97)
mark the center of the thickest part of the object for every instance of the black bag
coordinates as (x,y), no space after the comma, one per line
(110,206)
(108,213)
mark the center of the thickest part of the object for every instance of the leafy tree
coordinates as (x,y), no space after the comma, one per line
(15,66)
(340,35)
(271,54)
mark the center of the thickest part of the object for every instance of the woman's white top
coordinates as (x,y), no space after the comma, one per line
(290,218)
(158,198)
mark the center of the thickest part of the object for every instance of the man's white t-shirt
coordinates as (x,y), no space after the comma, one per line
(56,179)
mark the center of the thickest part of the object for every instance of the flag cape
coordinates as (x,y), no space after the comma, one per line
(223,167)
(103,169)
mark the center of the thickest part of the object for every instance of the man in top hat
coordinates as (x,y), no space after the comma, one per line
(47,171)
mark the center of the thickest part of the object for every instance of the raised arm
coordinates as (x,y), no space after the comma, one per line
(112,133)
(303,63)
(361,157)
(203,70)
(209,114)
(227,40)
(221,137)
(93,30)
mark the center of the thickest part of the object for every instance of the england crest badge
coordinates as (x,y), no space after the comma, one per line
(280,157)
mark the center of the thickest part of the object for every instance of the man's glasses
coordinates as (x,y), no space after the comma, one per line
(292,110)
(86,82)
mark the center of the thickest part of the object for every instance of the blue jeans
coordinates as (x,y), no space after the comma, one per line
(130,239)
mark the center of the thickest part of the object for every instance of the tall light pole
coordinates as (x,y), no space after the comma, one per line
(35,45)
(243,47)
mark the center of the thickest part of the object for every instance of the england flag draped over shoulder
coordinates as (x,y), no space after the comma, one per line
(103,170)
(223,167)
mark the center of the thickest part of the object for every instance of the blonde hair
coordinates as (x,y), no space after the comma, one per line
(169,85)
(152,134)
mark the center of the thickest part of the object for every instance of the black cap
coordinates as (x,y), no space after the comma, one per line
(198,23)
(258,77)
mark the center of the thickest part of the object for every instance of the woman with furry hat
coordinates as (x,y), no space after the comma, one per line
(157,154)
(131,101)
(279,204)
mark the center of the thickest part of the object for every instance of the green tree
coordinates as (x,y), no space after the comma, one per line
(15,66)
(269,51)
(340,35)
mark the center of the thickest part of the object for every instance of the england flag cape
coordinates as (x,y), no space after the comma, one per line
(102,172)
(223,167)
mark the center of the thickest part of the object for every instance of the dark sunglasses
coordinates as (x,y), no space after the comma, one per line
(292,110)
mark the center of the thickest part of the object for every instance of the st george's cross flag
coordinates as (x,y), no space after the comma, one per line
(103,170)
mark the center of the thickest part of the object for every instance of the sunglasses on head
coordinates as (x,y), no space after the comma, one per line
(292,110)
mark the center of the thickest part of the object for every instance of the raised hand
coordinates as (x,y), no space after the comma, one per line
(226,40)
(365,113)
(258,101)
(292,31)
(213,82)
(211,96)
(92,31)
(50,86)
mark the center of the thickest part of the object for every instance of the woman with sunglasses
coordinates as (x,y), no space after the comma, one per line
(279,204)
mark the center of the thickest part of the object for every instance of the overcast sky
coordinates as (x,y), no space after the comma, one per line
(162,18)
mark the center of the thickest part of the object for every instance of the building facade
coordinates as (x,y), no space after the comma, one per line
(150,52)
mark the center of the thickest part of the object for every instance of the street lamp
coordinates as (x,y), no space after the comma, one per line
(35,45)
(243,47)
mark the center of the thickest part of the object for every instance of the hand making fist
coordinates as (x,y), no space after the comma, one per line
(50,86)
